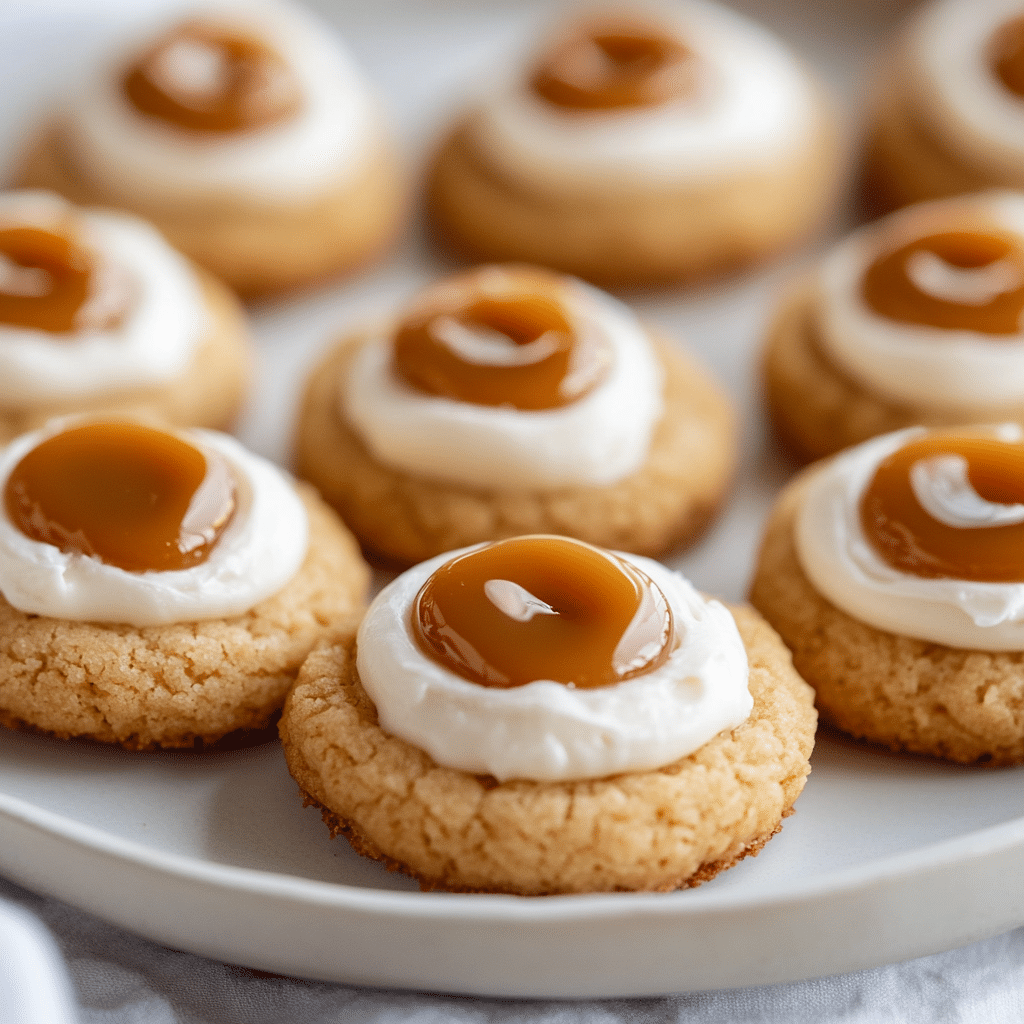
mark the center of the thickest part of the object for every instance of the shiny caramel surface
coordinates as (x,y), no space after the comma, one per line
(542,608)
(967,280)
(615,64)
(1007,55)
(44,279)
(499,338)
(130,495)
(204,78)
(911,539)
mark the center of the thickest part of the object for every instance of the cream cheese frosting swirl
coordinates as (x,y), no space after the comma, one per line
(544,730)
(326,141)
(959,371)
(956,89)
(751,107)
(845,568)
(597,439)
(259,552)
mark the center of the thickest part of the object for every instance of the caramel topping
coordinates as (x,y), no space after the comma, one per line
(957,280)
(499,337)
(542,607)
(950,506)
(130,495)
(44,279)
(1006,53)
(615,64)
(208,79)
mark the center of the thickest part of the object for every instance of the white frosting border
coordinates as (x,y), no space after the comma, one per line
(259,552)
(544,730)
(325,145)
(165,323)
(843,566)
(732,124)
(599,439)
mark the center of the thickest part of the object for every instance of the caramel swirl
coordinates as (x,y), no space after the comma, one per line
(950,506)
(205,78)
(1006,55)
(499,337)
(132,496)
(615,64)
(542,608)
(956,280)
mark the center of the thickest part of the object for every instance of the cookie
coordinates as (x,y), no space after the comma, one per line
(953,700)
(929,345)
(408,513)
(146,333)
(182,683)
(247,136)
(675,162)
(656,829)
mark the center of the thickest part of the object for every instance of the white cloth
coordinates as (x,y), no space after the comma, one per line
(121,979)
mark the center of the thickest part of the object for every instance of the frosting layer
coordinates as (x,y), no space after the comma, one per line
(165,321)
(955,370)
(545,730)
(845,568)
(259,552)
(597,439)
(752,105)
(326,142)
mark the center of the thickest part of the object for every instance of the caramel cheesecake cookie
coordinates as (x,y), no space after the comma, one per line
(916,319)
(246,134)
(512,400)
(893,573)
(98,312)
(157,588)
(641,147)
(541,716)
(948,115)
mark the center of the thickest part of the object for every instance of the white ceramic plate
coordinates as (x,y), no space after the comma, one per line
(886,858)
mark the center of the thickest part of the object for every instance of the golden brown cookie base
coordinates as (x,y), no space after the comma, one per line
(181,685)
(209,393)
(816,409)
(644,831)
(256,248)
(905,694)
(406,519)
(905,162)
(621,236)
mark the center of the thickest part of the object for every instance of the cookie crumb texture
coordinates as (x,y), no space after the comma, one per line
(670,828)
(183,685)
(817,410)
(665,504)
(905,694)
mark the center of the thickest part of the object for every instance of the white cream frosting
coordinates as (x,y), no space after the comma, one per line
(326,142)
(955,88)
(753,107)
(545,730)
(845,568)
(165,320)
(598,439)
(958,371)
(257,554)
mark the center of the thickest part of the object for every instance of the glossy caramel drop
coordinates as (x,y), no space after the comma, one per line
(957,280)
(975,480)
(132,496)
(1006,52)
(44,279)
(542,607)
(204,78)
(614,65)
(499,338)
